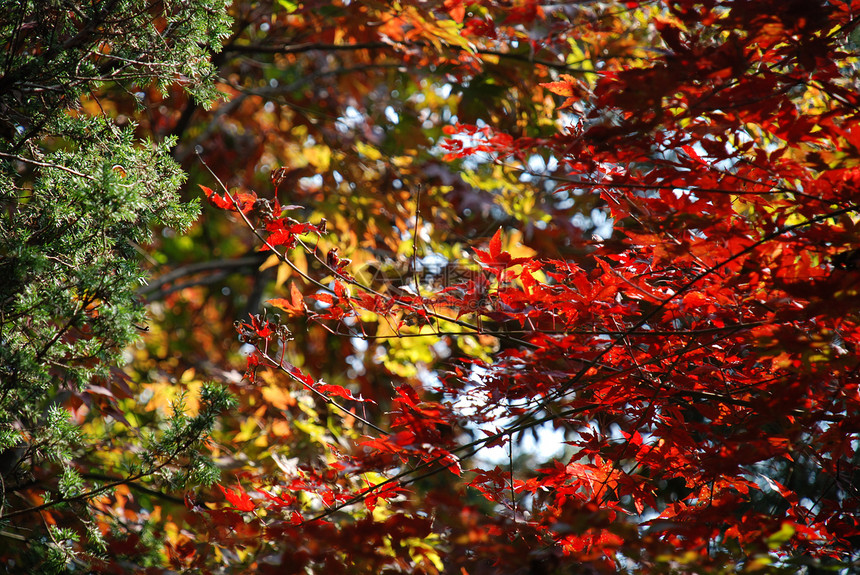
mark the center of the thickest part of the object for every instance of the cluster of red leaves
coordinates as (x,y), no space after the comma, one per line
(702,362)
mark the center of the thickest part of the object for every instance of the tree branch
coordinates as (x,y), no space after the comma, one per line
(227,267)
(323,47)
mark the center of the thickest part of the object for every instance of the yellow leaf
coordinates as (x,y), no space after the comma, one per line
(515,247)
(271,261)
(319,157)
(300,261)
(284,272)
(368,151)
(247,430)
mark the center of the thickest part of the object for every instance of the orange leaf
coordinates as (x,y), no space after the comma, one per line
(295,306)
(560,88)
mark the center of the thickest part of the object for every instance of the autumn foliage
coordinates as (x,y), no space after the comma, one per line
(696,353)
(524,288)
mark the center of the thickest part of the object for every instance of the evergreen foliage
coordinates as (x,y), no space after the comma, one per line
(79,196)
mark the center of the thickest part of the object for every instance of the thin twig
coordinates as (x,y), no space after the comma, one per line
(46,165)
(321,395)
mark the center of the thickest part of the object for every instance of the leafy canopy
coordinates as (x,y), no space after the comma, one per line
(449,231)
(630,226)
